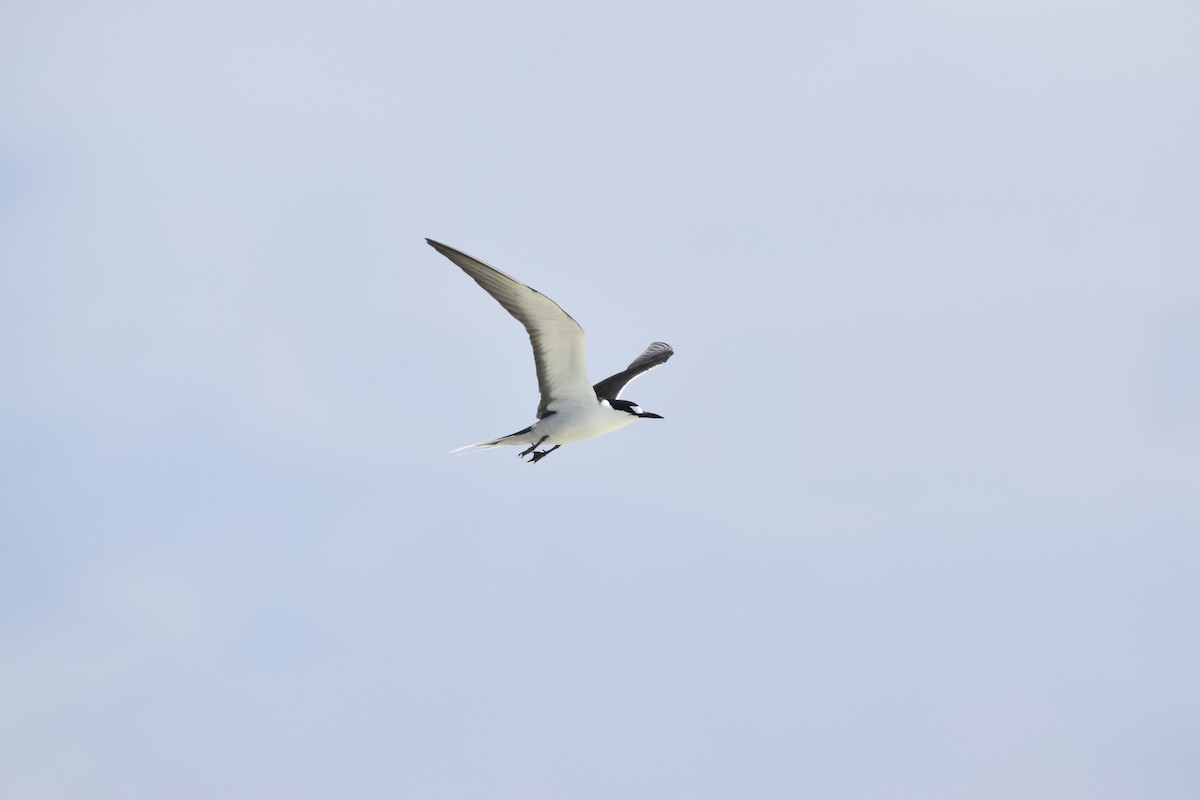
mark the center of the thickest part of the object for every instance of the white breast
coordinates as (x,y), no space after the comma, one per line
(579,422)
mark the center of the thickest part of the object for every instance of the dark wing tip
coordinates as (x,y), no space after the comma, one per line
(657,353)
(653,356)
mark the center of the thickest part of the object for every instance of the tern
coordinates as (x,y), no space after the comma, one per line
(572,409)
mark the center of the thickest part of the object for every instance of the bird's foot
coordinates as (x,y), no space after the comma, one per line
(538,455)
(531,448)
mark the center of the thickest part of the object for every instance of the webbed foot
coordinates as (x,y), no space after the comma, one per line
(540,454)
(531,448)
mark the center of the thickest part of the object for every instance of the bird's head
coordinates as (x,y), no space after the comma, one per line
(631,408)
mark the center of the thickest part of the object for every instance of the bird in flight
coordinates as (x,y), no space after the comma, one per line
(571,409)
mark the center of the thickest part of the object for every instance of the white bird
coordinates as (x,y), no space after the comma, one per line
(571,409)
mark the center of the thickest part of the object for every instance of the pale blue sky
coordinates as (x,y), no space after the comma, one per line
(921,520)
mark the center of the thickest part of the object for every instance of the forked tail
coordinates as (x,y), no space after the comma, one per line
(512,438)
(481,446)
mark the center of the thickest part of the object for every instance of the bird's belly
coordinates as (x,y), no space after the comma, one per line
(576,425)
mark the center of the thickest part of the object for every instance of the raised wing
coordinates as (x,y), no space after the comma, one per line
(556,338)
(654,356)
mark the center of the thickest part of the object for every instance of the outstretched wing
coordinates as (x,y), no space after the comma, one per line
(654,356)
(556,338)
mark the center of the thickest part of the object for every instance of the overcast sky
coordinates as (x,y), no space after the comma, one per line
(920,521)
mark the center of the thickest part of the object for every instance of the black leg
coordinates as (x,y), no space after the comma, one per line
(540,454)
(532,447)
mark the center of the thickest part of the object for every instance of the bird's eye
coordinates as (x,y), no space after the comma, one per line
(636,409)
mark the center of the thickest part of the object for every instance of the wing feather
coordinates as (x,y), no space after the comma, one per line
(653,356)
(558,341)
